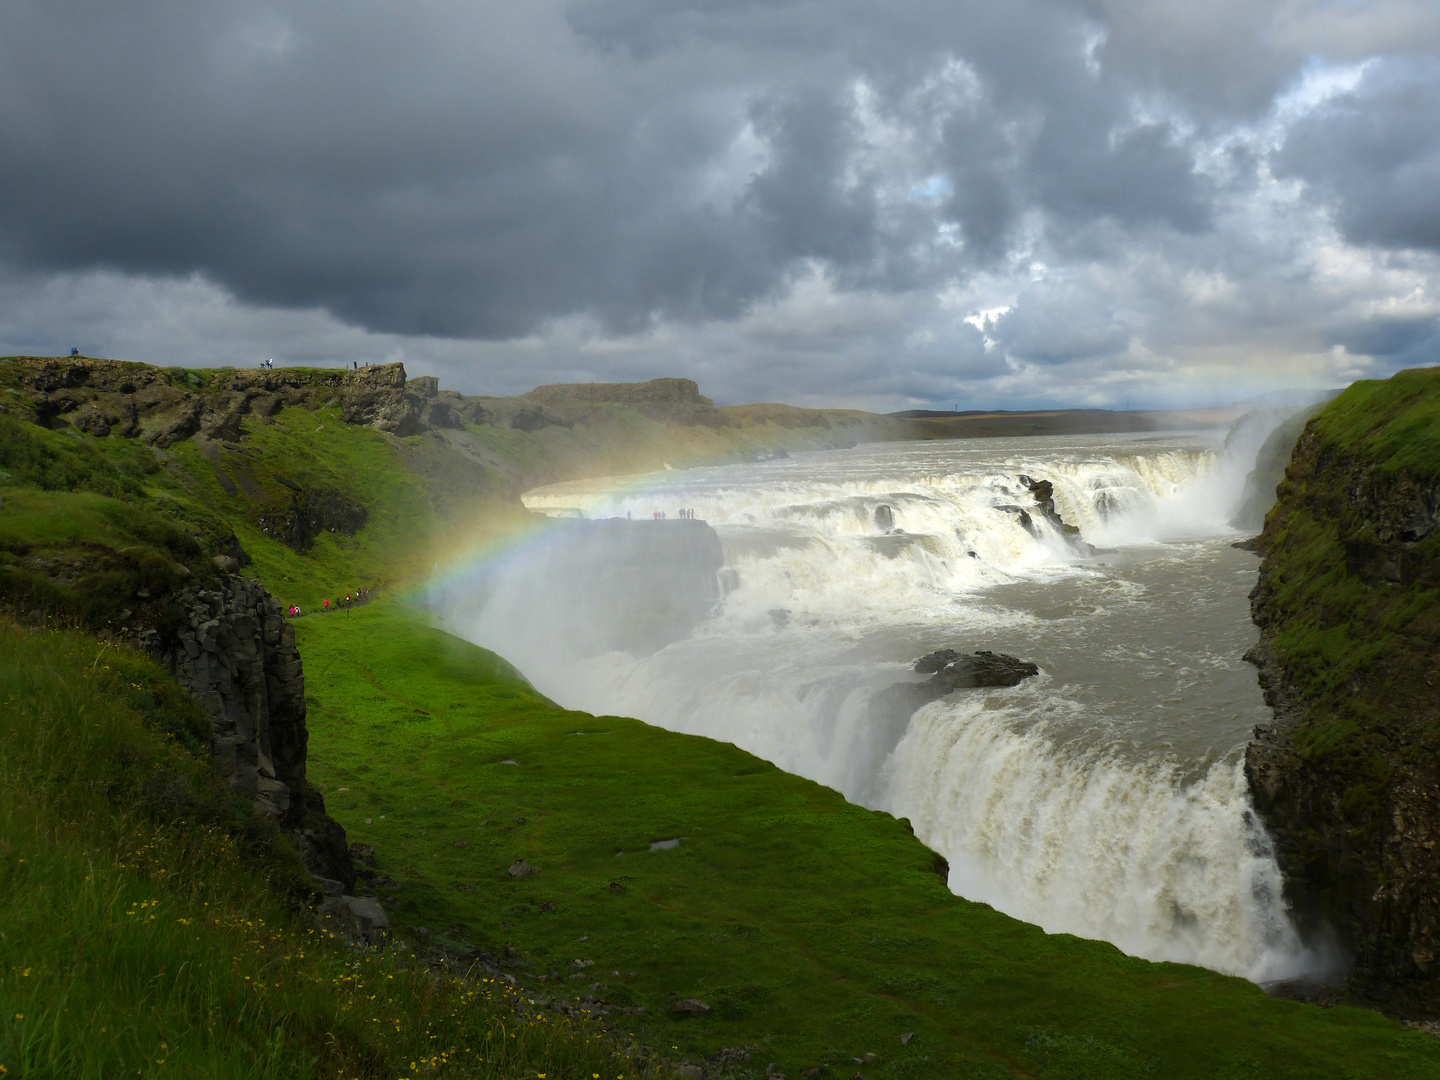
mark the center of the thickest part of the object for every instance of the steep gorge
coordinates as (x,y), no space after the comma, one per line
(1348,603)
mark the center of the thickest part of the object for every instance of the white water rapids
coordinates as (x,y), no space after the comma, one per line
(1102,798)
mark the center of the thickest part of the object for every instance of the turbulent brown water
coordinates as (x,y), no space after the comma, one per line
(1103,798)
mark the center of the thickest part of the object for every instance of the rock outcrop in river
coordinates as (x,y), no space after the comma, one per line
(1348,604)
(950,670)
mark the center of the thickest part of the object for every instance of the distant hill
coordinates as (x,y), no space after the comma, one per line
(1001,423)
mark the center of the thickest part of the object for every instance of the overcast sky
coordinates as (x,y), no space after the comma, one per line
(879,203)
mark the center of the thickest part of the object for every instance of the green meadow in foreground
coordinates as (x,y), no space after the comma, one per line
(148,923)
(817,931)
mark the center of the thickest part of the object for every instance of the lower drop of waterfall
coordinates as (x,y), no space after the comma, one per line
(1103,798)
(1081,843)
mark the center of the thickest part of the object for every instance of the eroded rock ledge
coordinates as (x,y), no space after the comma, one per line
(1347,777)
(234,651)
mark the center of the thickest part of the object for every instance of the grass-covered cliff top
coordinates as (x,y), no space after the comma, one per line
(1392,423)
(1350,585)
(816,931)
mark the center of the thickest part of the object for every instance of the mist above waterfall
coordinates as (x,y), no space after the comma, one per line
(1101,798)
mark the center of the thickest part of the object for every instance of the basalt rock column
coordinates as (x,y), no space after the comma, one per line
(234,651)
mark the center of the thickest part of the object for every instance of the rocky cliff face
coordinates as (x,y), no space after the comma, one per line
(1348,603)
(234,651)
(161,406)
(1270,462)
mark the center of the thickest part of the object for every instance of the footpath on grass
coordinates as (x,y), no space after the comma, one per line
(509,831)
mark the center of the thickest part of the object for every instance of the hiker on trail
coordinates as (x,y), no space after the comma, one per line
(74,352)
(325,604)
(357,365)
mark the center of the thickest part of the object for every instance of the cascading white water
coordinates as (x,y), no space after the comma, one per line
(1162,866)
(1103,798)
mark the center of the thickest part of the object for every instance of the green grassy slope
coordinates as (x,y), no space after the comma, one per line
(147,922)
(817,931)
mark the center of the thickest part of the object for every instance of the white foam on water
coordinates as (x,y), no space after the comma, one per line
(1044,804)
(1079,842)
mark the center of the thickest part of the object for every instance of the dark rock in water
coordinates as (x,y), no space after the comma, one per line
(950,670)
(956,672)
(933,662)
(884,518)
(1044,493)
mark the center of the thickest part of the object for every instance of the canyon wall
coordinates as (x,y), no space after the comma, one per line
(1348,603)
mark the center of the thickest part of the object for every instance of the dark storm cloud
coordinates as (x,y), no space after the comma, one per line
(1400,342)
(1376,152)
(1050,325)
(473,170)
(781,197)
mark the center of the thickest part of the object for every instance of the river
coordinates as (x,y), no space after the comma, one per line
(1102,798)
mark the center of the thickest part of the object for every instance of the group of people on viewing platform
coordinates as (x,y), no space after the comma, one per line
(661,515)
